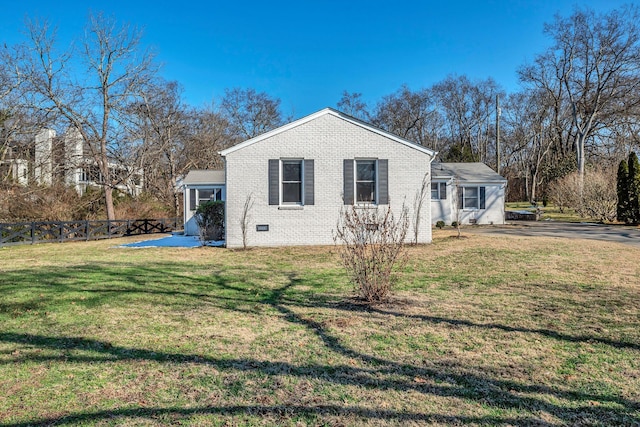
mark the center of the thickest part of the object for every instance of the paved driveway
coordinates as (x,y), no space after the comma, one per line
(609,233)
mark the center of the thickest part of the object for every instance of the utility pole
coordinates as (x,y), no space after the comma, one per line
(498,112)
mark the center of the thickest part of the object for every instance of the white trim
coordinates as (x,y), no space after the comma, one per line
(331,112)
(281,203)
(376,196)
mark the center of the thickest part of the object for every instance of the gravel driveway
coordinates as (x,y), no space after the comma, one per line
(609,233)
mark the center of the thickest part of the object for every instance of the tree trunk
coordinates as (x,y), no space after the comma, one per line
(108,198)
(534,185)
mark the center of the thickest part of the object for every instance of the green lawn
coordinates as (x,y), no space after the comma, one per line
(483,330)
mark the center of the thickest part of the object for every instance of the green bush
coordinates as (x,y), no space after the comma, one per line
(454,224)
(440,225)
(210,219)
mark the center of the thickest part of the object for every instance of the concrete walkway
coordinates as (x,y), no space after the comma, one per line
(605,232)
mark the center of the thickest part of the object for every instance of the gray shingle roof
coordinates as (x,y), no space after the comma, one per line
(476,172)
(196,177)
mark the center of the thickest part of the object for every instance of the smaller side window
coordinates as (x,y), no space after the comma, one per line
(439,190)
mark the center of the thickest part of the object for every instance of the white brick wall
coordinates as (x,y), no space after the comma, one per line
(327,140)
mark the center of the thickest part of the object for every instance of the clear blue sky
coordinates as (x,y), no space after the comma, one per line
(308,52)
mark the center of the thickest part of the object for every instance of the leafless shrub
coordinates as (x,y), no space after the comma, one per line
(594,198)
(564,192)
(373,243)
(36,203)
(142,206)
(599,198)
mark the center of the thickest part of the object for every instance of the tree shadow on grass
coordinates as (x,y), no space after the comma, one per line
(506,328)
(376,373)
(278,413)
(401,377)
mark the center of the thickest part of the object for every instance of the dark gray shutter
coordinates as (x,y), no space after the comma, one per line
(483,198)
(460,197)
(348,181)
(274,181)
(308,182)
(443,190)
(192,199)
(383,181)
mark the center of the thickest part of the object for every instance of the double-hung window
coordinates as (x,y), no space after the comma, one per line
(471,197)
(366,181)
(438,190)
(292,182)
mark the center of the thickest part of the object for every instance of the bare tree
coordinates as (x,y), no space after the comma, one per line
(468,108)
(528,126)
(457,205)
(418,202)
(245,218)
(92,88)
(251,113)
(161,122)
(411,115)
(353,105)
(593,70)
(210,133)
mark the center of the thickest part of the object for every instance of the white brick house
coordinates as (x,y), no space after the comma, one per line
(301,175)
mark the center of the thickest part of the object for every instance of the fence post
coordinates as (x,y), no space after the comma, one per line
(108,229)
(87,228)
(33,233)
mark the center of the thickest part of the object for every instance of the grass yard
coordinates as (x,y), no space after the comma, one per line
(483,330)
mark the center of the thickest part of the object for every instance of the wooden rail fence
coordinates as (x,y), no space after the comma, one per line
(21,233)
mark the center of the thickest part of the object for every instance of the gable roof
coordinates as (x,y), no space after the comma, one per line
(335,113)
(473,172)
(197,177)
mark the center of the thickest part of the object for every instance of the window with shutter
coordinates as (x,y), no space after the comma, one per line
(472,197)
(366,181)
(291,182)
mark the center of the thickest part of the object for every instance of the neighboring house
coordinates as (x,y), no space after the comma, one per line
(470,193)
(200,186)
(299,177)
(64,159)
